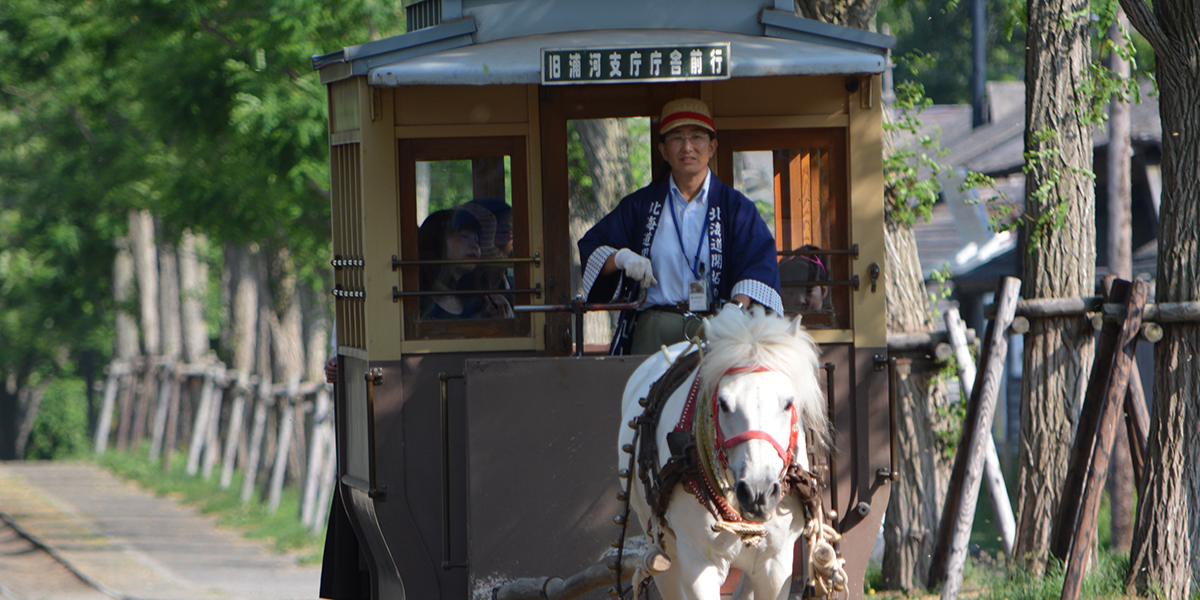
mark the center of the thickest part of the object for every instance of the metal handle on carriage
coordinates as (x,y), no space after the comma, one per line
(444,379)
(892,473)
(579,308)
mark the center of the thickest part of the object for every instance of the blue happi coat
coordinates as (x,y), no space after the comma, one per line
(741,250)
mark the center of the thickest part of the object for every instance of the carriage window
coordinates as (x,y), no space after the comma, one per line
(797,182)
(465,266)
(754,176)
(607,159)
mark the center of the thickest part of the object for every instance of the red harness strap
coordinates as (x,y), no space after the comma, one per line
(724,444)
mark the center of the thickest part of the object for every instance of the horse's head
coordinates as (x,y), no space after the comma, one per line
(761,375)
(757,430)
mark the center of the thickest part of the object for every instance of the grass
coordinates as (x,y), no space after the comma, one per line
(283,529)
(989,575)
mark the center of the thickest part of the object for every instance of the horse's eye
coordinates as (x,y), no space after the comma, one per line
(724,405)
(788,405)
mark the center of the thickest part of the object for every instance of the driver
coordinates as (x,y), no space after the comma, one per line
(692,241)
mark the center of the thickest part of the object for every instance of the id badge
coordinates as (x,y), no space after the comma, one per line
(698,295)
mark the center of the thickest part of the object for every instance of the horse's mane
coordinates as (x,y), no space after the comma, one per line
(738,338)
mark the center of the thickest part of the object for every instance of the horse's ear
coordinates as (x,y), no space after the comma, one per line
(795,329)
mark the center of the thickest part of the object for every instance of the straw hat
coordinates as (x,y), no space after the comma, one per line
(685,111)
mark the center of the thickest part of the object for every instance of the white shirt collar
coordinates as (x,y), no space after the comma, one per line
(703,195)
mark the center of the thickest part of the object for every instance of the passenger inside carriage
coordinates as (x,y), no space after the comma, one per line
(800,276)
(459,234)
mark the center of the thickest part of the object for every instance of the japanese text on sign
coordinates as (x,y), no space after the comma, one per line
(616,65)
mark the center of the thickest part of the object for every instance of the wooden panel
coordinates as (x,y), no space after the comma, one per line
(461,105)
(343,106)
(346,196)
(779,96)
(864,154)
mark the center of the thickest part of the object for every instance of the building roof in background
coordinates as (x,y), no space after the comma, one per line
(997,149)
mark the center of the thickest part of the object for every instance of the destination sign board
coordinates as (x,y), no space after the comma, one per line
(693,62)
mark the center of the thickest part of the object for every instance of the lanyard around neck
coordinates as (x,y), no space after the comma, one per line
(694,266)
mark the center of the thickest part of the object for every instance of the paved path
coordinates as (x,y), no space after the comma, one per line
(139,545)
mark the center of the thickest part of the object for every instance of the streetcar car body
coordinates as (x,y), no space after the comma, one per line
(474,451)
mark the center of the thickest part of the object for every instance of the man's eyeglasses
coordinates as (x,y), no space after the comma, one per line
(696,139)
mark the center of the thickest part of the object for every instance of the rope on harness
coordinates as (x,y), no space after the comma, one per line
(826,564)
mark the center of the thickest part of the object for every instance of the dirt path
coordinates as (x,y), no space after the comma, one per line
(130,541)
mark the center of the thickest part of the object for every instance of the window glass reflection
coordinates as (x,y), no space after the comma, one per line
(466,220)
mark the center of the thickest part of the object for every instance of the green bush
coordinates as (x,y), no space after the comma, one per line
(61,427)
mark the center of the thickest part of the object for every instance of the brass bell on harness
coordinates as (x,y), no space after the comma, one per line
(622,496)
(643,402)
(619,519)
(612,565)
(623,473)
(612,591)
(633,423)
(615,543)
(627,448)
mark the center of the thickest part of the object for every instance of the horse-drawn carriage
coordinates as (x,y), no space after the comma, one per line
(473,451)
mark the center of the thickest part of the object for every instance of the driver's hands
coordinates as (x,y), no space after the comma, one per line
(495,305)
(331,370)
(635,266)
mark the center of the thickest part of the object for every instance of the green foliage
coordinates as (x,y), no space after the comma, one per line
(282,529)
(945,288)
(942,30)
(61,428)
(207,113)
(1052,211)
(911,173)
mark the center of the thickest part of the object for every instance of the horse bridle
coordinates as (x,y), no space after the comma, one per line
(723,444)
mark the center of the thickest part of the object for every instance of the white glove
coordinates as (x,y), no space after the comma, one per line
(635,266)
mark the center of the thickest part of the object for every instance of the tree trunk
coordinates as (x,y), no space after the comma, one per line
(852,13)
(1120,263)
(915,506)
(168,302)
(193,287)
(125,339)
(1166,542)
(240,336)
(145,260)
(1058,351)
(605,144)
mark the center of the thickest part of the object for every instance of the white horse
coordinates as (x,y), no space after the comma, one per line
(757,395)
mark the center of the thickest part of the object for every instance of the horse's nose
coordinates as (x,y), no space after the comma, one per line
(757,501)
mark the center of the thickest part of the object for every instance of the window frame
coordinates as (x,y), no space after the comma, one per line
(411,151)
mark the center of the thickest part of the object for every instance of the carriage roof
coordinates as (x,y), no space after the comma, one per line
(477,42)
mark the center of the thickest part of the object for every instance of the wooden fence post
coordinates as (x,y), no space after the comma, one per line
(328,479)
(166,379)
(212,435)
(141,407)
(129,383)
(993,474)
(254,451)
(954,531)
(1075,528)
(200,428)
(233,432)
(169,437)
(316,457)
(111,386)
(287,420)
